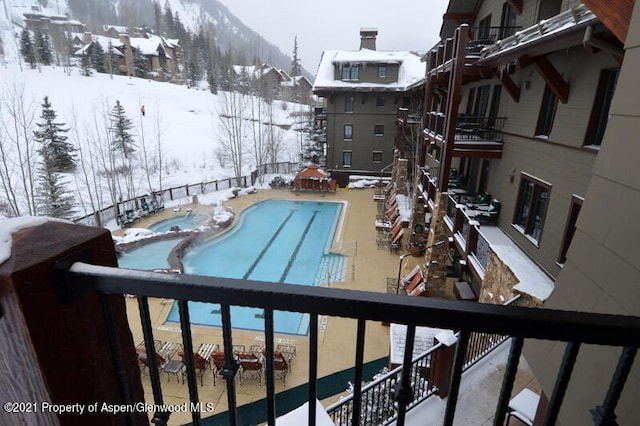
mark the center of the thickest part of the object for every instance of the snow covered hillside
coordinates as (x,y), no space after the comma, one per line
(183,122)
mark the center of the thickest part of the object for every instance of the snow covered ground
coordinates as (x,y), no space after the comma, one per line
(184,121)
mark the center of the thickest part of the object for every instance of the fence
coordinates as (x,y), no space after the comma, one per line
(109,213)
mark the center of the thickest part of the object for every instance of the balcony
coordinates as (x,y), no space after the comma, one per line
(63,322)
(474,136)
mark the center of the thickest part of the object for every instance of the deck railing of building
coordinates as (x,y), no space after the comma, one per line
(54,278)
(379,407)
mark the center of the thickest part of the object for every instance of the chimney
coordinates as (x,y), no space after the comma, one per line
(368,38)
(87,38)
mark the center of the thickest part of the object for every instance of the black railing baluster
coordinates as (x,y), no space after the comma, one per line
(403,391)
(605,415)
(187,348)
(456,376)
(562,381)
(357,385)
(313,367)
(160,418)
(268,365)
(230,364)
(116,355)
(507,382)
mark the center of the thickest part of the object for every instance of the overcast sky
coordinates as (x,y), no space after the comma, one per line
(335,24)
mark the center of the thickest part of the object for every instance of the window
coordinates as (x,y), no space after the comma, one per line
(600,112)
(382,71)
(484,30)
(348,131)
(572,218)
(472,94)
(346,158)
(351,72)
(547,112)
(348,104)
(377,156)
(378,129)
(482,100)
(531,207)
(380,101)
(508,21)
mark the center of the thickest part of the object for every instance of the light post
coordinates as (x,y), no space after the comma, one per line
(412,252)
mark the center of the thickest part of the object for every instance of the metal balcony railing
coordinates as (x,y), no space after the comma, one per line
(73,286)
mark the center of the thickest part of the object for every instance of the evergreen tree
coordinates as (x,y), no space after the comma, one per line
(43,46)
(55,200)
(121,126)
(296,68)
(211,78)
(140,63)
(59,154)
(194,73)
(27,48)
(98,58)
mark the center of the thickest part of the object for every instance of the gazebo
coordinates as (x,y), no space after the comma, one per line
(313,178)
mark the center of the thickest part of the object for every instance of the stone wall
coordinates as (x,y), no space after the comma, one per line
(436,258)
(498,283)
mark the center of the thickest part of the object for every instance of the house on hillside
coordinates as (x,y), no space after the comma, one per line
(52,24)
(277,81)
(297,89)
(363,90)
(517,102)
(159,56)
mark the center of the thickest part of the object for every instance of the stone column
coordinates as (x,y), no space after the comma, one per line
(128,54)
(401,176)
(437,256)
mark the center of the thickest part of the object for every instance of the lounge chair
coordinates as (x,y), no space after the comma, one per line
(396,240)
(132,216)
(250,367)
(200,365)
(288,351)
(145,207)
(217,358)
(280,367)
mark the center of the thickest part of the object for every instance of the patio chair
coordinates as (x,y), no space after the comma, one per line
(174,367)
(200,365)
(481,200)
(489,216)
(145,207)
(288,352)
(280,367)
(250,367)
(523,406)
(217,358)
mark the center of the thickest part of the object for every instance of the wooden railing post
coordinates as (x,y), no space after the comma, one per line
(58,351)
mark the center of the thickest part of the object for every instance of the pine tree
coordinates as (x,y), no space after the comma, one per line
(98,57)
(43,45)
(55,200)
(59,154)
(194,73)
(140,64)
(121,126)
(211,78)
(27,48)
(296,68)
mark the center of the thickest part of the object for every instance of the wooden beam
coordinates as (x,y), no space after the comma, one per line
(467,17)
(517,5)
(614,14)
(552,77)
(510,86)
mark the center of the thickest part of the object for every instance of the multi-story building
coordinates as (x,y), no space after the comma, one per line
(364,89)
(518,98)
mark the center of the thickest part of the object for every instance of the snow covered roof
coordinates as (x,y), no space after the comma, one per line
(147,46)
(411,70)
(574,18)
(118,28)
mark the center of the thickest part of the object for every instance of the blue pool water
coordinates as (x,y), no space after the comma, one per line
(186,221)
(275,241)
(149,256)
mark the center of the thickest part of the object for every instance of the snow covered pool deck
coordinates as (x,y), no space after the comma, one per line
(532,279)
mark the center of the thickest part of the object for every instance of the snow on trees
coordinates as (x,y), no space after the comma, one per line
(121,126)
(59,153)
(56,157)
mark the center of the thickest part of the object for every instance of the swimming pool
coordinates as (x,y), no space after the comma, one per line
(150,256)
(186,221)
(278,241)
